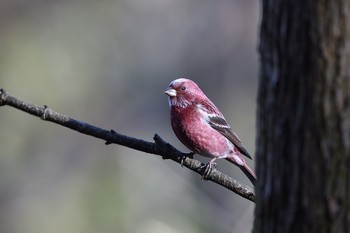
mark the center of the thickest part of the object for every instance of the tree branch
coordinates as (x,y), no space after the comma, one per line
(158,147)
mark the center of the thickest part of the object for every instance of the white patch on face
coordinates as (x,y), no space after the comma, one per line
(174,101)
(179,100)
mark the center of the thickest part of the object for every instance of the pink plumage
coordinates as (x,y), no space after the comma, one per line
(202,128)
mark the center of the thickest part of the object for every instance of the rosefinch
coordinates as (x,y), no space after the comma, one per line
(202,128)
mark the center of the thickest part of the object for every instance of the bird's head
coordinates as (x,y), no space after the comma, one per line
(183,92)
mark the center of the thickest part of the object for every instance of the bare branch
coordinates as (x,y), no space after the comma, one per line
(158,147)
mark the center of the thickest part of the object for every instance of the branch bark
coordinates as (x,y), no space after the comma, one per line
(158,147)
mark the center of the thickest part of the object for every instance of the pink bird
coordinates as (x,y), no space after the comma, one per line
(202,128)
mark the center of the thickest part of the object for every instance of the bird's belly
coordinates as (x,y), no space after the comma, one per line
(202,139)
(208,142)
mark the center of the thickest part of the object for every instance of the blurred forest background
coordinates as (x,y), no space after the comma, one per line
(108,63)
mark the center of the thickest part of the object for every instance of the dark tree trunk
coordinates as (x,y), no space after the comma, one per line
(303,122)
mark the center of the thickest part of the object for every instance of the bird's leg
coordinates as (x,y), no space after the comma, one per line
(187,155)
(208,168)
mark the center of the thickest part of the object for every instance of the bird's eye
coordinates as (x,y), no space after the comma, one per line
(183,88)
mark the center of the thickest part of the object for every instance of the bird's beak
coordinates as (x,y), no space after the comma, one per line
(170,92)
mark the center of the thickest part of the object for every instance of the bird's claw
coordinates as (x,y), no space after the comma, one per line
(183,158)
(44,115)
(208,169)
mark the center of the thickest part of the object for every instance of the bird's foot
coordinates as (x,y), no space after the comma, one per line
(187,155)
(208,169)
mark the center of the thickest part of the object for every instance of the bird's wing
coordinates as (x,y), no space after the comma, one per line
(220,124)
(217,121)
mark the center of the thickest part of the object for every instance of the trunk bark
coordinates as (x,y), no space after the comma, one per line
(303,120)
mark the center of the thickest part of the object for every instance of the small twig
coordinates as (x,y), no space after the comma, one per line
(159,147)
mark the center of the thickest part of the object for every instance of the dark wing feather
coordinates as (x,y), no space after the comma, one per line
(222,127)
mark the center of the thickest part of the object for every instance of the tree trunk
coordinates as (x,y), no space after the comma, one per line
(303,121)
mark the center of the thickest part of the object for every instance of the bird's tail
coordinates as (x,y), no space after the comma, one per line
(246,170)
(249,173)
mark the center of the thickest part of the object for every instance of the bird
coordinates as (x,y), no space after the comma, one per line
(202,128)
